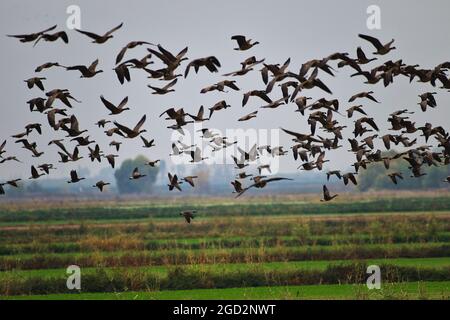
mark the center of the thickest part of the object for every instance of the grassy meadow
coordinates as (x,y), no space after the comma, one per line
(282,247)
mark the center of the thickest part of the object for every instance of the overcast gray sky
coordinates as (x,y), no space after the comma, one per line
(301,30)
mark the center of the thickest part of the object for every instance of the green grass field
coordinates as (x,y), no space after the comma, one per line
(297,251)
(409,290)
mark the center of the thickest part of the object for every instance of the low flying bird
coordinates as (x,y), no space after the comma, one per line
(393,176)
(136,175)
(337,173)
(261,183)
(326,194)
(173,182)
(35,174)
(111,159)
(188,215)
(13,183)
(100,185)
(349,177)
(190,179)
(152,163)
(237,187)
(74,177)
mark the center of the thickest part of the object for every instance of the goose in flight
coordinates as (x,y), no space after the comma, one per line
(211,63)
(220,86)
(74,129)
(261,183)
(173,182)
(349,177)
(115,144)
(46,167)
(111,159)
(381,49)
(100,185)
(218,106)
(152,163)
(13,183)
(326,194)
(11,158)
(237,186)
(190,180)
(111,107)
(100,39)
(136,175)
(35,81)
(147,143)
(74,177)
(102,122)
(196,155)
(393,176)
(199,117)
(132,133)
(130,45)
(248,116)
(47,65)
(255,93)
(122,73)
(165,89)
(86,72)
(243,43)
(53,37)
(31,36)
(169,59)
(82,141)
(95,154)
(188,215)
(2,148)
(35,174)
(367,95)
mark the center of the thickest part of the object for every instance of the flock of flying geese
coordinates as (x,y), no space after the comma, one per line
(308,147)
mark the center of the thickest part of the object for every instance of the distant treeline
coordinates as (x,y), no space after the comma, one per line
(216,180)
(376,177)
